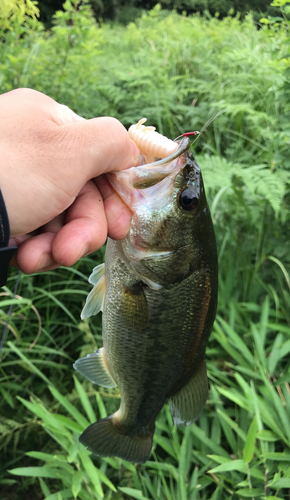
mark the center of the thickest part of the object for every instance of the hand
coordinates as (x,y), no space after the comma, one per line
(59,208)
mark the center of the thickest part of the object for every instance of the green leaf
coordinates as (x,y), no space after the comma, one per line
(92,472)
(257,473)
(235,396)
(76,484)
(44,488)
(85,401)
(68,423)
(59,495)
(265,435)
(70,408)
(185,453)
(237,342)
(238,465)
(227,428)
(28,362)
(162,466)
(101,406)
(133,493)
(219,459)
(277,456)
(201,435)
(72,450)
(46,457)
(20,302)
(48,418)
(275,353)
(52,297)
(223,415)
(36,472)
(282,267)
(250,492)
(106,481)
(281,483)
(166,444)
(249,447)
(274,498)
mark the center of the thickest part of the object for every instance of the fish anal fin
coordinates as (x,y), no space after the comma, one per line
(93,367)
(106,439)
(187,404)
(95,299)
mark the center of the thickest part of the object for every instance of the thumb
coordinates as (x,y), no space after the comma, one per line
(99,145)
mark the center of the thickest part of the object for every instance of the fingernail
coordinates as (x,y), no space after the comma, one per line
(43,262)
(67,115)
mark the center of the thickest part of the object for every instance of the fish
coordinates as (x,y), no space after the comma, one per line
(157,291)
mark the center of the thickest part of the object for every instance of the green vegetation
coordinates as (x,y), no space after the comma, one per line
(178,72)
(127,10)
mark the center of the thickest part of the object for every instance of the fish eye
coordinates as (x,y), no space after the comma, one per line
(188,199)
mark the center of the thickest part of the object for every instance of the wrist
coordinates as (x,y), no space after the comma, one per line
(6,252)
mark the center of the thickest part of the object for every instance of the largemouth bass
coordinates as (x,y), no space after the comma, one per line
(158,293)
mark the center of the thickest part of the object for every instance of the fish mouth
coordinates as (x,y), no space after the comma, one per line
(131,184)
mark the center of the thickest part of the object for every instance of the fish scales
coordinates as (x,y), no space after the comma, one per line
(158,293)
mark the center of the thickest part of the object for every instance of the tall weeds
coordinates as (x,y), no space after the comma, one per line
(177,71)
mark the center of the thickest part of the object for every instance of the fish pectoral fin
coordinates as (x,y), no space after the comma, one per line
(95,300)
(93,367)
(187,404)
(97,273)
(133,306)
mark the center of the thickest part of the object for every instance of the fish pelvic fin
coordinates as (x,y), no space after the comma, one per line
(104,438)
(95,300)
(93,367)
(187,404)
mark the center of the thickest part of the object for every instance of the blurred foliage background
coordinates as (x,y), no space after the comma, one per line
(177,69)
(127,10)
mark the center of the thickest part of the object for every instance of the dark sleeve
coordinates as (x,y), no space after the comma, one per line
(6,253)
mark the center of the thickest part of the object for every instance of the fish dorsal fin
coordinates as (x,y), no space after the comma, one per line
(95,300)
(93,367)
(97,273)
(187,404)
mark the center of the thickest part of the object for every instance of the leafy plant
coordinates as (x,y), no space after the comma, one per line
(233,450)
(16,10)
(178,71)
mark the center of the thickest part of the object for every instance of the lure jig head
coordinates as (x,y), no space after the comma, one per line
(197,134)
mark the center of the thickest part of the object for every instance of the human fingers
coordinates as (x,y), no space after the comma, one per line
(35,250)
(85,228)
(117,213)
(50,154)
(82,230)
(35,254)
(98,145)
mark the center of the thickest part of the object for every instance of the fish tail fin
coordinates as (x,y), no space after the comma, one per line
(107,440)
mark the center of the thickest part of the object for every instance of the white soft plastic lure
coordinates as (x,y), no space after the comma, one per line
(151,142)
